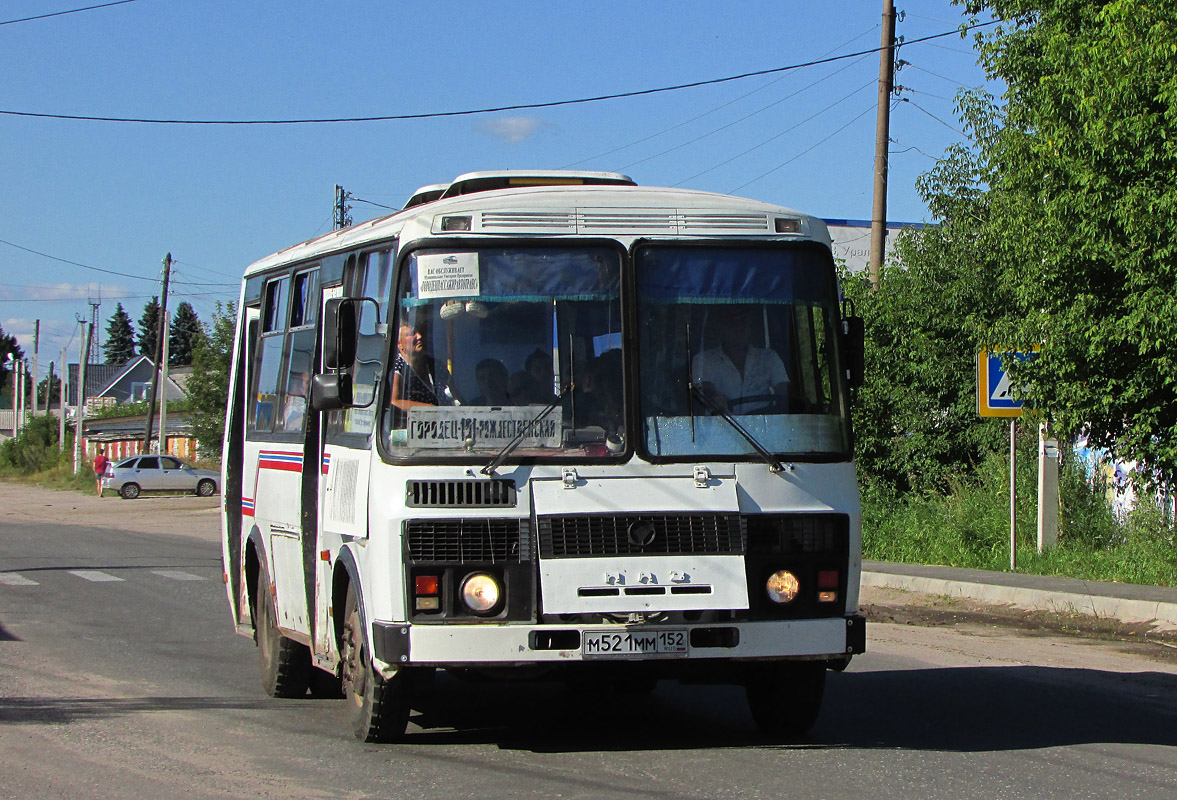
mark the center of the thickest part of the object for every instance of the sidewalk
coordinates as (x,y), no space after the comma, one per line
(1123,601)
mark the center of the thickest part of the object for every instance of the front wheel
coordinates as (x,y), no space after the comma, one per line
(206,488)
(785,696)
(285,663)
(377,707)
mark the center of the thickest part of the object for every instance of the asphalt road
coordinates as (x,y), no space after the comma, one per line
(121,676)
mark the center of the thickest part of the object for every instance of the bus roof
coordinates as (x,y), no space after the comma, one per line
(551,209)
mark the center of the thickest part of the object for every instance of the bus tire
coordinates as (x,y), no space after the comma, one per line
(377,707)
(285,663)
(785,696)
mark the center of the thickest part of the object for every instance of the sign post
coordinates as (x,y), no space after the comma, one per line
(995,398)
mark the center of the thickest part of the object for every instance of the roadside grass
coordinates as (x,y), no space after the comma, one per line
(969,527)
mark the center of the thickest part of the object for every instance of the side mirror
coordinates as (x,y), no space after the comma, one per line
(340,333)
(331,391)
(854,350)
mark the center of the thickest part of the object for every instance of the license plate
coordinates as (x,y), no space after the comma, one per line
(634,644)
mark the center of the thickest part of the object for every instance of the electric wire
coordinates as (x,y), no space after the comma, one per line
(489,110)
(743,118)
(933,116)
(698,117)
(70,11)
(776,136)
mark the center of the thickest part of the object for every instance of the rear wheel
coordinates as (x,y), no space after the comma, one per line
(285,663)
(377,707)
(785,697)
(206,488)
(129,491)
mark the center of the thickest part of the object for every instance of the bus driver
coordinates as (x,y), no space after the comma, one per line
(737,376)
(416,378)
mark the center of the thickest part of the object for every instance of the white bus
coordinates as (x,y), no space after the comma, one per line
(551,425)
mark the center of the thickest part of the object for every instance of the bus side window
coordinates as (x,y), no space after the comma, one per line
(369,276)
(269,355)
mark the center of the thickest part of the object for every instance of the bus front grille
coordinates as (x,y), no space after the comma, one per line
(457,541)
(460,494)
(583,536)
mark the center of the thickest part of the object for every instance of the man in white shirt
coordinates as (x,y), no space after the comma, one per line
(736,370)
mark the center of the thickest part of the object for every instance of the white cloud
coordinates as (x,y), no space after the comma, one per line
(512,130)
(65,292)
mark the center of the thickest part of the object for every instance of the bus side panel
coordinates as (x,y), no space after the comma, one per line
(232,462)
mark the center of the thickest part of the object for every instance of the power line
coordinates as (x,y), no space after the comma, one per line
(491,110)
(76,263)
(933,116)
(70,11)
(745,117)
(806,150)
(774,137)
(698,117)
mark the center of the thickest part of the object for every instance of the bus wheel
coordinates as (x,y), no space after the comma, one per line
(785,697)
(285,663)
(377,707)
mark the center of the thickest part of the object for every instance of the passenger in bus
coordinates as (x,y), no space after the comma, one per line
(539,366)
(417,379)
(491,377)
(294,411)
(520,388)
(599,393)
(737,376)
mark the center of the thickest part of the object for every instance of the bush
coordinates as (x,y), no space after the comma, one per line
(35,449)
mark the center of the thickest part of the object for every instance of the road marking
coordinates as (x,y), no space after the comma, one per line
(93,575)
(178,575)
(12,579)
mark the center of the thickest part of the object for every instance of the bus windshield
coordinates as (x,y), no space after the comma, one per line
(489,338)
(739,337)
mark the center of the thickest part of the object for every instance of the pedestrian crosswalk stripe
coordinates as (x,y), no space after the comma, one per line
(178,575)
(93,575)
(12,579)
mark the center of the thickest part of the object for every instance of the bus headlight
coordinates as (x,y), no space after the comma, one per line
(782,586)
(481,593)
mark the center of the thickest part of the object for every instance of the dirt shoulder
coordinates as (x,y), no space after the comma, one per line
(175,515)
(895,606)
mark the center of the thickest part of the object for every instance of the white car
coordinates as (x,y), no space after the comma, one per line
(137,474)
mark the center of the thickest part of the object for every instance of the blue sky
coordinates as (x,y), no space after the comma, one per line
(119,196)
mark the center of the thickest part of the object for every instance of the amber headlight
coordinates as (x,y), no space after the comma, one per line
(782,586)
(481,593)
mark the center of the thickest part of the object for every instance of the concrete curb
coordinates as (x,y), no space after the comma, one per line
(1162,615)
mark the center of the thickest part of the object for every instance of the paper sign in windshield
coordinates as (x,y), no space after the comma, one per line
(447,275)
(482,427)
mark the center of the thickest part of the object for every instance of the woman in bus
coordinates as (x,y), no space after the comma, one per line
(417,380)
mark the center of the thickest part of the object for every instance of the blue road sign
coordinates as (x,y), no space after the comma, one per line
(995,395)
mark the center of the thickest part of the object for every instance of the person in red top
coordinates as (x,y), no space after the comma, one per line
(100,462)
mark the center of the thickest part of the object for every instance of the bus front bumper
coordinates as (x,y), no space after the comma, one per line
(457,645)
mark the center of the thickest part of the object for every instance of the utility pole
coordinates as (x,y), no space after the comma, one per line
(61,402)
(80,416)
(36,347)
(342,209)
(878,225)
(163,315)
(161,444)
(19,408)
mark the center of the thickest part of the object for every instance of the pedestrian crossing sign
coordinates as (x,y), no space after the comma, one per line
(995,395)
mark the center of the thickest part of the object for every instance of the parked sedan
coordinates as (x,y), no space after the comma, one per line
(137,474)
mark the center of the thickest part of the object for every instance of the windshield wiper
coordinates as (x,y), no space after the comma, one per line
(774,465)
(510,446)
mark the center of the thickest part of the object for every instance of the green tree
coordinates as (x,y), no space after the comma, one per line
(49,390)
(182,335)
(208,385)
(8,346)
(120,337)
(1082,187)
(149,328)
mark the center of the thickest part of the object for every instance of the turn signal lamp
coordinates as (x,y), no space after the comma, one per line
(788,225)
(454,224)
(426,589)
(782,586)
(481,593)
